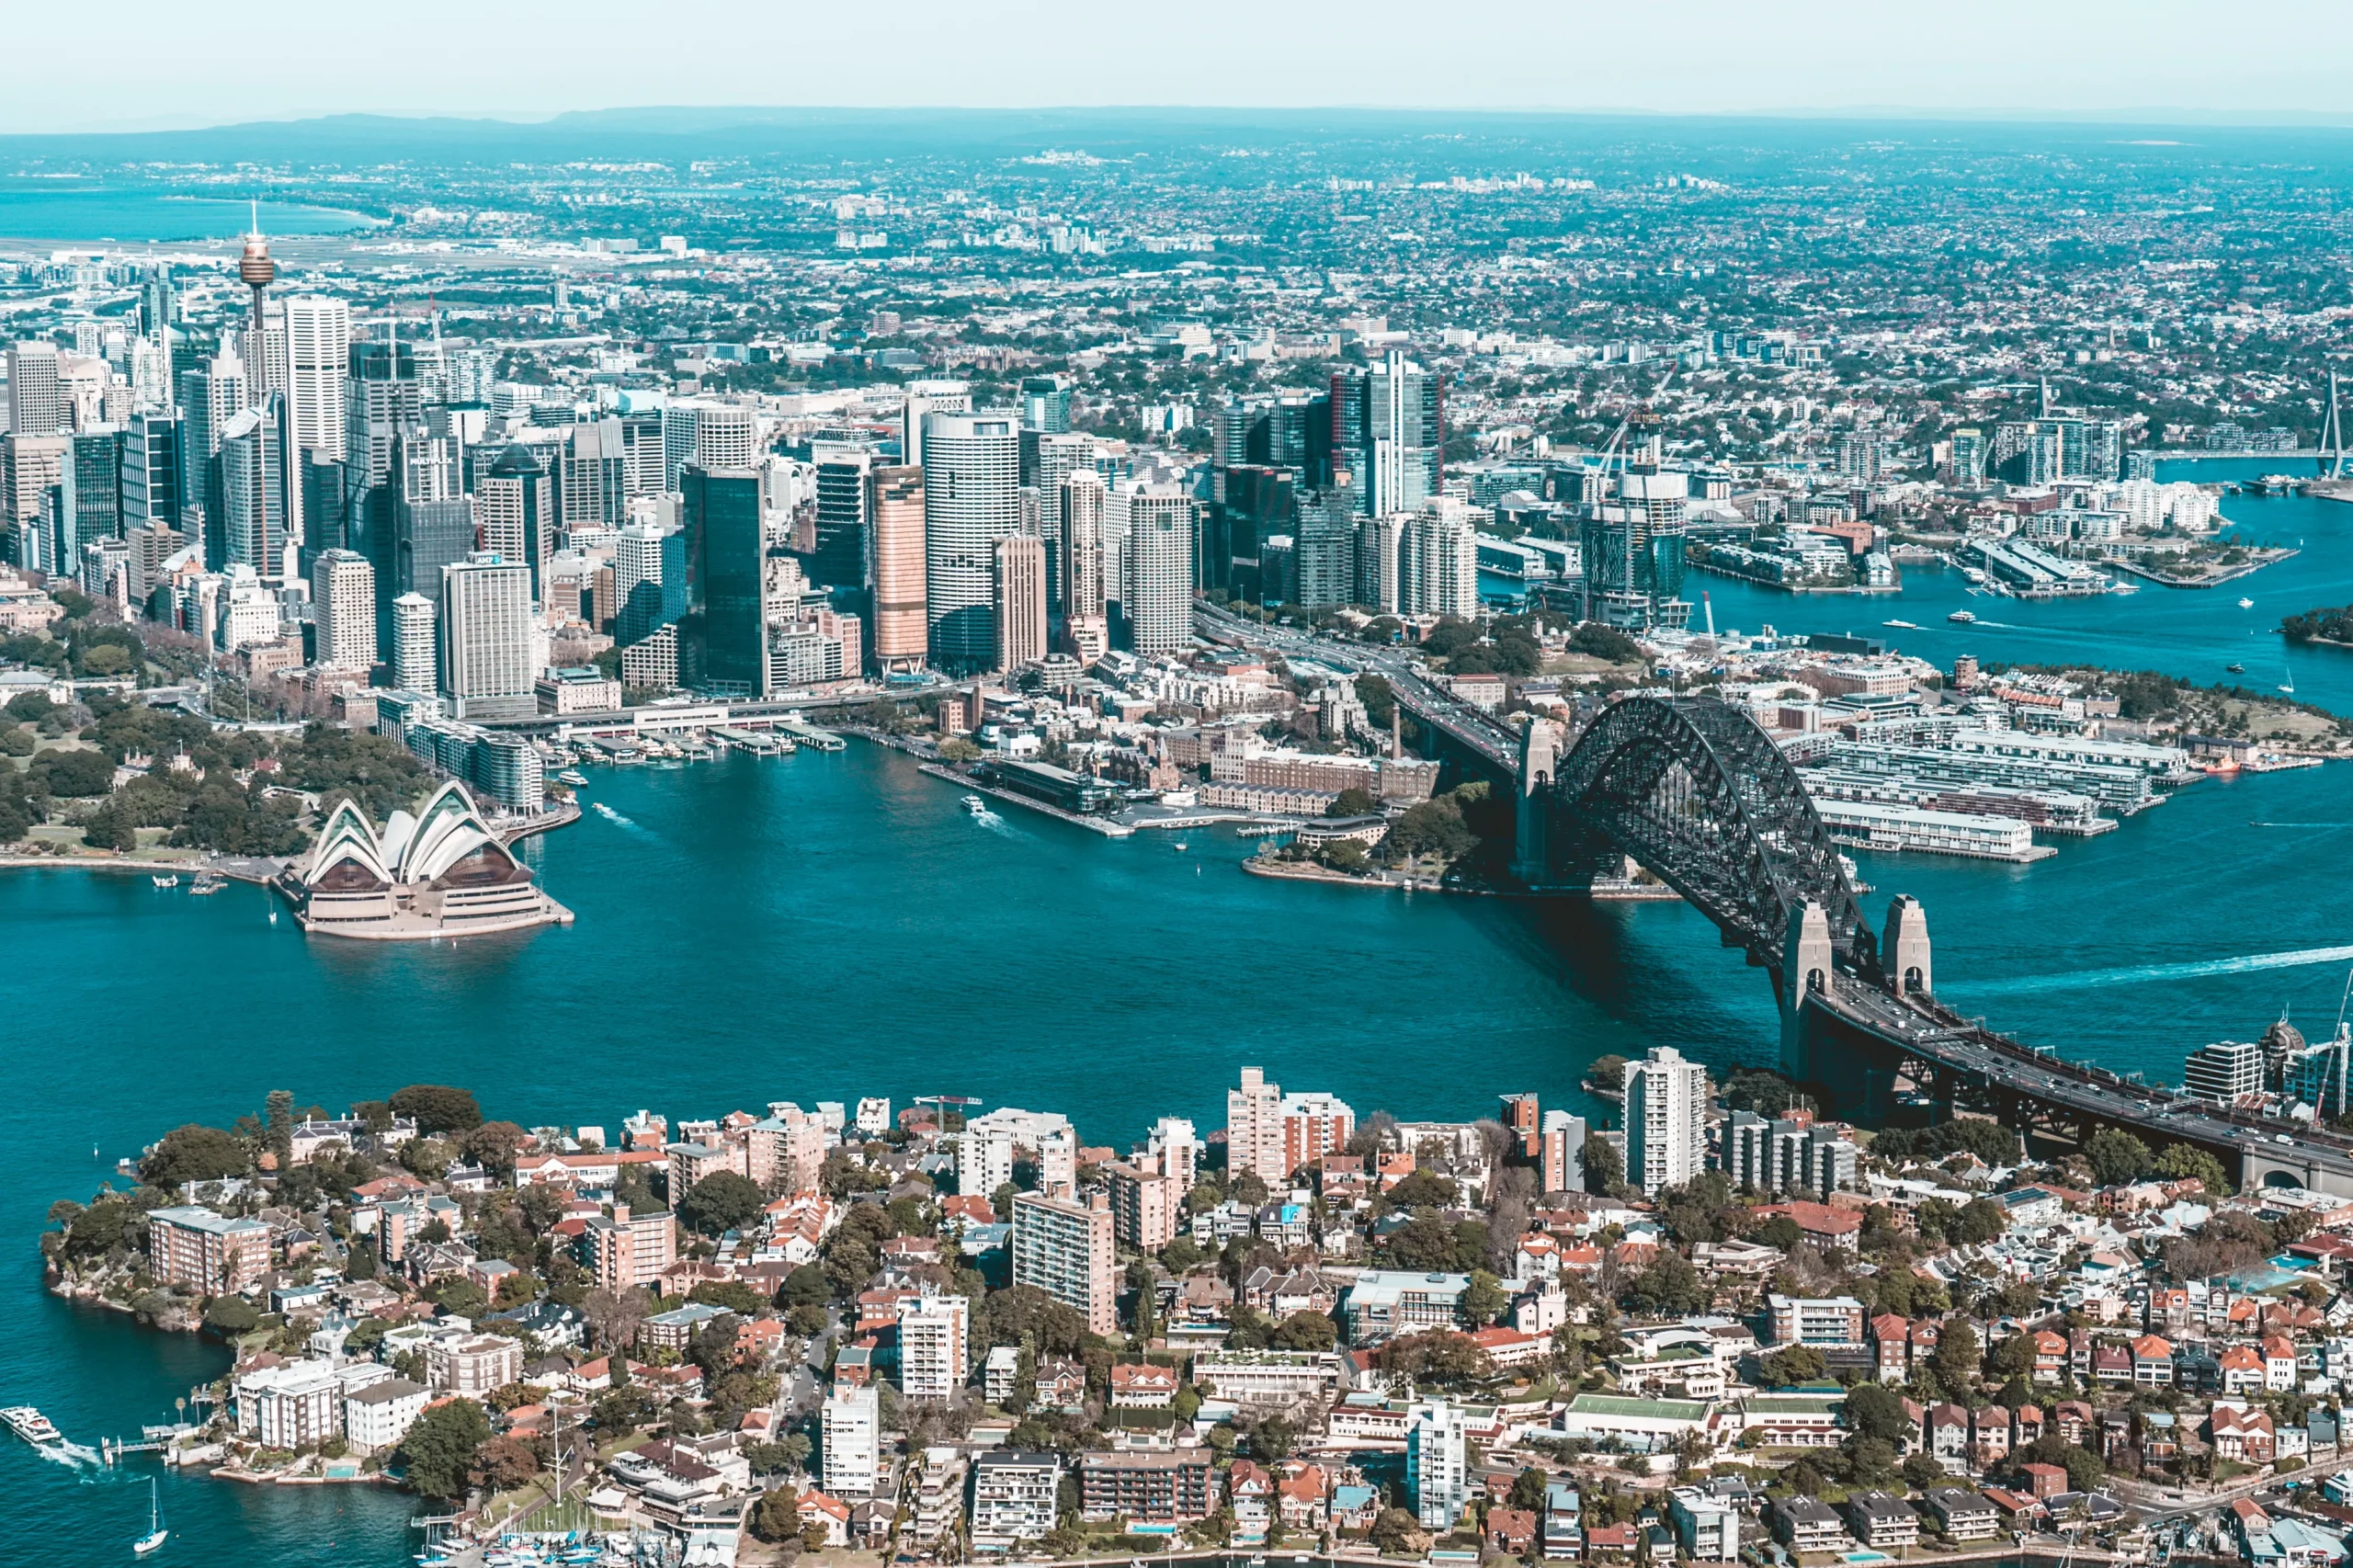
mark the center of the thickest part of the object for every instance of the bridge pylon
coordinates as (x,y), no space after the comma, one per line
(1806,967)
(1531,860)
(1904,953)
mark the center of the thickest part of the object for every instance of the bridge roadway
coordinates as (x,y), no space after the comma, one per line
(1932,1042)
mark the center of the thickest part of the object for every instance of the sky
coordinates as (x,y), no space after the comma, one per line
(127,64)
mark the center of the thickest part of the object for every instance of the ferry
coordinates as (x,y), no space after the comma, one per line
(171,882)
(31,1426)
(1903,625)
(975,805)
(1962,618)
(2246,604)
(572,776)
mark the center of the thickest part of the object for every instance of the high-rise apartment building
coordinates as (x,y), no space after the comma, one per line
(416,649)
(36,401)
(1667,1108)
(723,633)
(986,1147)
(343,599)
(971,487)
(1018,607)
(1443,572)
(1271,1134)
(1157,590)
(629,1250)
(895,512)
(487,667)
(1086,627)
(1146,1205)
(849,1438)
(1067,1249)
(934,1354)
(318,365)
(1437,1463)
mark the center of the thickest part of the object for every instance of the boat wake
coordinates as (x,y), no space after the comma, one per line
(609,814)
(2253,824)
(2249,963)
(76,1454)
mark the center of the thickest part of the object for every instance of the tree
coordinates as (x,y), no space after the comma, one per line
(1424,1190)
(1794,1364)
(507,1463)
(437,1108)
(1604,1168)
(495,1145)
(1877,1413)
(1527,1488)
(720,1202)
(442,1446)
(1440,1357)
(195,1153)
(2117,1157)
(1956,1360)
(777,1519)
(1398,1533)
(614,1315)
(1353,802)
(229,1316)
(1669,1287)
(2187,1161)
(361,1262)
(278,1117)
(1304,1331)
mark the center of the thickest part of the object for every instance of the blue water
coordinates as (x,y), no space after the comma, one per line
(84,212)
(822,927)
(2194,634)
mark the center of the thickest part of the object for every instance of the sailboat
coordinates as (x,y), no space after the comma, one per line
(155,1530)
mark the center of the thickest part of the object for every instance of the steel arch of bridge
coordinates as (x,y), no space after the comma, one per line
(1697,792)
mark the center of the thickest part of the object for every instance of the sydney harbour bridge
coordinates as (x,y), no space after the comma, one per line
(1695,793)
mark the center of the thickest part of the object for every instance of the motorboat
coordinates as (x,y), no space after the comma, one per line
(171,882)
(31,1426)
(1962,618)
(1903,625)
(2235,669)
(2246,604)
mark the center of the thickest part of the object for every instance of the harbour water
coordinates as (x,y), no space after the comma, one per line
(824,925)
(84,213)
(2193,633)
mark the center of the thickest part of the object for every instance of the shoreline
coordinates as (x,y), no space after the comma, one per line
(2231,575)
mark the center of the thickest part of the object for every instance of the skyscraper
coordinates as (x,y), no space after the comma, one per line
(416,650)
(1633,551)
(515,505)
(896,509)
(1086,627)
(649,581)
(839,560)
(1019,601)
(36,403)
(318,366)
(1438,1467)
(1325,547)
(1157,593)
(89,496)
(723,634)
(260,516)
(1667,1108)
(343,599)
(151,472)
(212,393)
(486,613)
(971,477)
(1045,404)
(1395,418)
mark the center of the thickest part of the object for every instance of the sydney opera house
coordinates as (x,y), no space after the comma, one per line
(439,873)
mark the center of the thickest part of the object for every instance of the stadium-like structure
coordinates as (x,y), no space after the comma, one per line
(439,873)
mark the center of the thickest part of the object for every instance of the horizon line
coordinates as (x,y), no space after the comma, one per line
(2143,117)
